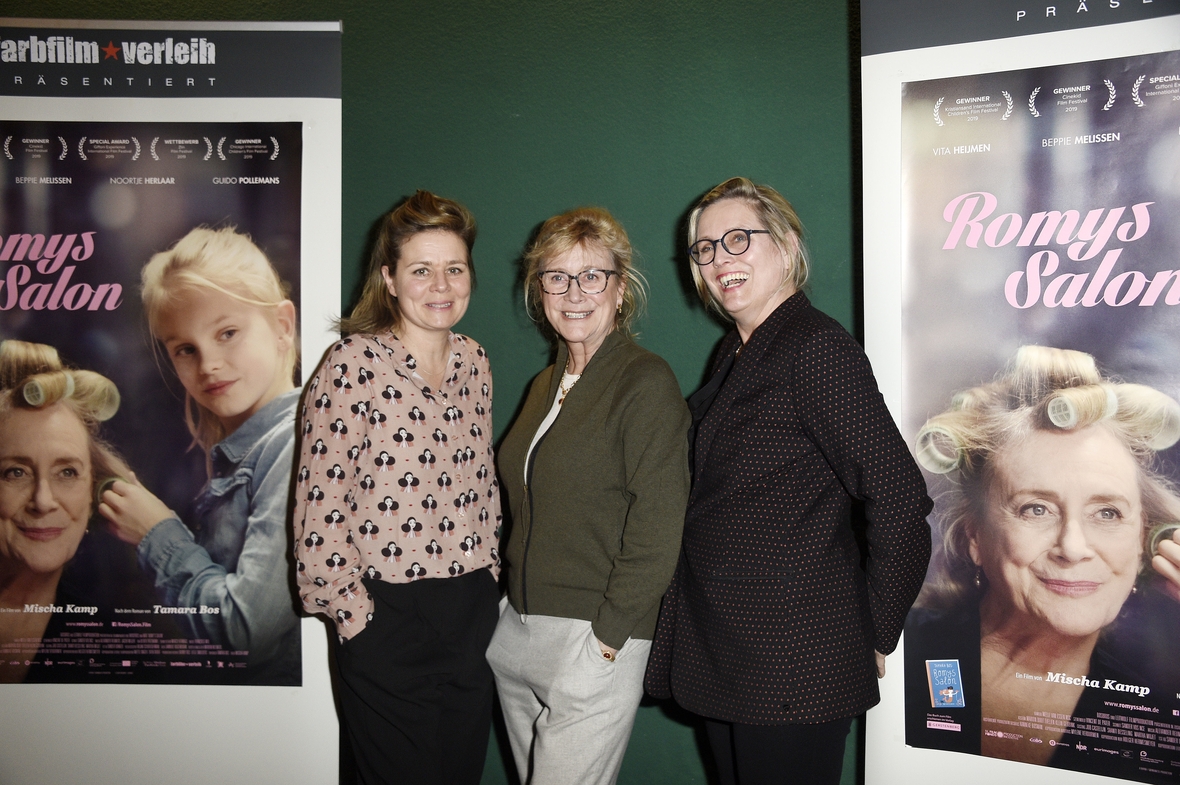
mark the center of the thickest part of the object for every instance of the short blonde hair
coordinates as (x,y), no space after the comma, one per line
(1043,389)
(589,227)
(225,261)
(32,376)
(777,216)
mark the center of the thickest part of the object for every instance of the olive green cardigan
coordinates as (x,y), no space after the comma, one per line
(596,535)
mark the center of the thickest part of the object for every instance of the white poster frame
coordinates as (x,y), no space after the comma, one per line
(186,734)
(888,761)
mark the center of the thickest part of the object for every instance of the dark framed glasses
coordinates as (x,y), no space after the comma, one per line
(589,281)
(735,241)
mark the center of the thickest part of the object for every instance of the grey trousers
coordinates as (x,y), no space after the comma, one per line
(569,711)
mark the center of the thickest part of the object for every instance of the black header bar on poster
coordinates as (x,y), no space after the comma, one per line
(91,59)
(897,25)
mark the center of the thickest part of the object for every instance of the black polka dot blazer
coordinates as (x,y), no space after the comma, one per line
(775,611)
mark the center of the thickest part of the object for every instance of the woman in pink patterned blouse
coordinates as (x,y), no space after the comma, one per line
(397,508)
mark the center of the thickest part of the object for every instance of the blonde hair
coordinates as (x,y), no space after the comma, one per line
(777,216)
(377,310)
(32,376)
(588,227)
(1043,389)
(224,261)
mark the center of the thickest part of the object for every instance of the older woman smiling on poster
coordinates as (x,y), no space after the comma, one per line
(51,460)
(1058,543)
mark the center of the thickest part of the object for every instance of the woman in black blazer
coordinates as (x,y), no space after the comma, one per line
(777,623)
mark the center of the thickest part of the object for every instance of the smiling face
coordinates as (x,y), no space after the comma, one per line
(1062,533)
(229,355)
(583,320)
(432,282)
(45,488)
(749,286)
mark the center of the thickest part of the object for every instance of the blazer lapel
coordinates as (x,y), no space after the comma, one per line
(740,379)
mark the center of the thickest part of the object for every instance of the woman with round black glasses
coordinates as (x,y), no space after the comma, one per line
(595,472)
(776,624)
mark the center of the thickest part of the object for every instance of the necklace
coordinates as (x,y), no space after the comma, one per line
(566,390)
(432,375)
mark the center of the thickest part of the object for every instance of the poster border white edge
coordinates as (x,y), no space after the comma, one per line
(888,761)
(149,733)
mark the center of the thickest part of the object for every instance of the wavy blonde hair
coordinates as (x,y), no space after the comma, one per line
(589,227)
(1043,389)
(224,261)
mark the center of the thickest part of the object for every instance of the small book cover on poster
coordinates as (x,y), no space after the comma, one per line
(946,684)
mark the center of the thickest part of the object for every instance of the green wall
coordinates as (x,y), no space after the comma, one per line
(522,110)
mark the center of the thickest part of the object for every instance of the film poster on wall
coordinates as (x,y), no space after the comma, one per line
(1042,209)
(116,147)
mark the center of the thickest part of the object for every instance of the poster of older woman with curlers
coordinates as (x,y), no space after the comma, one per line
(149,275)
(1042,377)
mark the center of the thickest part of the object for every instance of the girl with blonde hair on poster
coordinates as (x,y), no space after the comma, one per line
(219,311)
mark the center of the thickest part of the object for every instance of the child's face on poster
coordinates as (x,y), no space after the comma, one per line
(45,489)
(1062,532)
(229,355)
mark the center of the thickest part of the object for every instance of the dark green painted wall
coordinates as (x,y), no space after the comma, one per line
(522,110)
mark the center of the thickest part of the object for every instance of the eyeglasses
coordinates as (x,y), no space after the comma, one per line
(589,281)
(735,241)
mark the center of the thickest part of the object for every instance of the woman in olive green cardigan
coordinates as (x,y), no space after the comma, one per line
(595,473)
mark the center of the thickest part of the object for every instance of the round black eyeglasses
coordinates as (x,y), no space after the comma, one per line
(589,281)
(735,241)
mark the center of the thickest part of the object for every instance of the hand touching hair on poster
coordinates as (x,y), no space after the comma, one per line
(51,462)
(220,313)
(1058,537)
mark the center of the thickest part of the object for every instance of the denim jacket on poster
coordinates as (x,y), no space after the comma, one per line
(235,558)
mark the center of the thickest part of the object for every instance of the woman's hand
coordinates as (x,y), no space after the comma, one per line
(880,664)
(607,650)
(1167,563)
(132,510)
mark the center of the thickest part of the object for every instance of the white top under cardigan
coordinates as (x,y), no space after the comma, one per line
(568,380)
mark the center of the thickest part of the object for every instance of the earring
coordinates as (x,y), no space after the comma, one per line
(979,577)
(620,308)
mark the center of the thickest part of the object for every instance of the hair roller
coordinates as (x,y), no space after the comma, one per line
(1039,371)
(1159,533)
(938,449)
(97,394)
(45,389)
(105,485)
(1150,414)
(1169,428)
(1112,400)
(1077,407)
(968,399)
(34,393)
(20,360)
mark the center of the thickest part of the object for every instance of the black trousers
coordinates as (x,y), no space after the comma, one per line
(415,688)
(778,754)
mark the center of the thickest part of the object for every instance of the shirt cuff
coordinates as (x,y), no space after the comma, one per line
(161,542)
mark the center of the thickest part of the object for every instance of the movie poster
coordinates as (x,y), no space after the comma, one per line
(145,472)
(85,206)
(1041,212)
